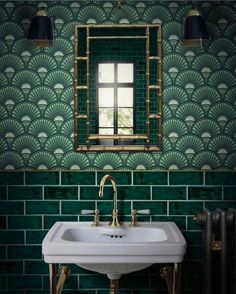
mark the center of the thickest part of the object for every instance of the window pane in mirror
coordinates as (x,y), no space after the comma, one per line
(105,97)
(125,73)
(106,131)
(106,73)
(106,117)
(125,131)
(125,117)
(125,97)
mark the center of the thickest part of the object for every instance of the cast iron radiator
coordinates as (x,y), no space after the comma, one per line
(219,247)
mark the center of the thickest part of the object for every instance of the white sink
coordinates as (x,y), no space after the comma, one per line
(114,251)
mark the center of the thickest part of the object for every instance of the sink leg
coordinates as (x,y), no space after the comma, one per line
(114,286)
(172,276)
(52,278)
(176,278)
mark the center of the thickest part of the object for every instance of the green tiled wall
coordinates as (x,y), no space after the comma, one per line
(36,200)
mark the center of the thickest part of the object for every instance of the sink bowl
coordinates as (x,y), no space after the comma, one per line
(114,251)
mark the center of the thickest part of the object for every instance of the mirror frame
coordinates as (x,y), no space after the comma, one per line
(154,87)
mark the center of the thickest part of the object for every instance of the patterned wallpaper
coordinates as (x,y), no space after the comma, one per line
(199,88)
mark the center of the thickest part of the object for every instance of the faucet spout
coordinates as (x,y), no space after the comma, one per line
(115,221)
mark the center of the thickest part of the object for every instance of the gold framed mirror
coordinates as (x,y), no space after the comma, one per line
(117,88)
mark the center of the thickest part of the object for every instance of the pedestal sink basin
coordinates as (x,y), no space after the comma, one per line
(114,251)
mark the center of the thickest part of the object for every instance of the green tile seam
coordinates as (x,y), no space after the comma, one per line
(43,194)
(60,207)
(59,184)
(78,192)
(42,222)
(168,208)
(24,178)
(96,178)
(168,178)
(132,178)
(187,192)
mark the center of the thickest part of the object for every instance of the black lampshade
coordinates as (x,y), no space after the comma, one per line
(40,30)
(195,31)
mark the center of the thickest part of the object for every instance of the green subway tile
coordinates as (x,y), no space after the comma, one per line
(150,178)
(36,267)
(24,222)
(42,178)
(24,252)
(168,193)
(193,238)
(179,220)
(193,266)
(158,283)
(39,292)
(148,291)
(121,178)
(10,207)
(71,283)
(18,291)
(2,252)
(49,221)
(106,207)
(42,207)
(11,178)
(78,178)
(11,267)
(61,193)
(220,178)
(194,282)
(185,208)
(120,292)
(75,207)
(194,252)
(134,281)
(220,204)
(185,178)
(3,222)
(35,237)
(76,270)
(91,193)
(134,192)
(230,193)
(25,193)
(25,282)
(192,224)
(205,193)
(3,282)
(11,237)
(3,193)
(156,207)
(93,281)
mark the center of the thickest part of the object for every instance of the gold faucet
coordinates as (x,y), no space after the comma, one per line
(115,221)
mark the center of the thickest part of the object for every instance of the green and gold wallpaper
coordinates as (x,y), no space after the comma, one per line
(199,87)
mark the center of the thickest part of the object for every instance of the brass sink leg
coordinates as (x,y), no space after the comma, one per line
(114,286)
(172,276)
(52,278)
(64,273)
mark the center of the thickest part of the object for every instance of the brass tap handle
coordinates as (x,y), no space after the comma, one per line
(96,219)
(96,215)
(134,213)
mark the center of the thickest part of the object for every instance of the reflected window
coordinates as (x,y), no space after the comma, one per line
(115,100)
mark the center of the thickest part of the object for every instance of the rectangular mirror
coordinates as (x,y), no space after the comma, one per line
(117,88)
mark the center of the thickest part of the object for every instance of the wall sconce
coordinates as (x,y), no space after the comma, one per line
(195,31)
(41,30)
